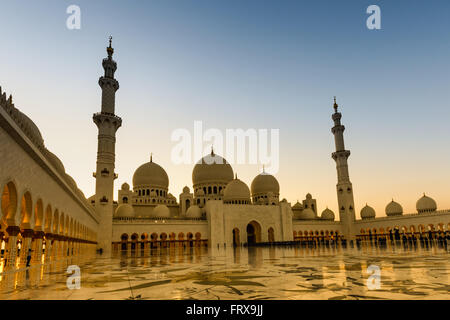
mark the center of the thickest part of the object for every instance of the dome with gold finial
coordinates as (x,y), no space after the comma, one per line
(327,214)
(393,209)
(426,204)
(236,191)
(265,183)
(367,212)
(150,174)
(212,168)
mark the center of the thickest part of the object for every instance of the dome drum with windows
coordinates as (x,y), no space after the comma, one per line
(150,179)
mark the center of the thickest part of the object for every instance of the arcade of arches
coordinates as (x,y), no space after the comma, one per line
(33,231)
(426,234)
(153,240)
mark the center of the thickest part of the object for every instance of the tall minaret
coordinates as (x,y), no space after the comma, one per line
(344,186)
(107,123)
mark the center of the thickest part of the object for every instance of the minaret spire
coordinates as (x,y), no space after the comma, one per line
(110,49)
(344,186)
(107,123)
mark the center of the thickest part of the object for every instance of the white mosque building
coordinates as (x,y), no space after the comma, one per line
(42,207)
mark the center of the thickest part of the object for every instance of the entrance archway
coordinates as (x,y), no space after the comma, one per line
(253,233)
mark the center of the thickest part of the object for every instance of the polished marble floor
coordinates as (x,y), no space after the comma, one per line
(254,273)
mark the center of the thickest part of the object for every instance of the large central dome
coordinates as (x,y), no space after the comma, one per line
(212,169)
(150,174)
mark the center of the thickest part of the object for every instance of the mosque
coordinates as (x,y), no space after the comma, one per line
(42,207)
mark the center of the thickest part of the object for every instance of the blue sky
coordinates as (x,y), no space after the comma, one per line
(245,64)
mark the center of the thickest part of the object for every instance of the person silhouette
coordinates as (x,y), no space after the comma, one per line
(29,257)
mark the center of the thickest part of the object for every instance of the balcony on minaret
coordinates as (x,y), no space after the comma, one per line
(101,117)
(343,153)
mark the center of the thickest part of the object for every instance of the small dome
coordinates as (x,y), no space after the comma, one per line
(327,214)
(29,128)
(200,192)
(152,175)
(193,212)
(265,183)
(186,189)
(393,209)
(307,214)
(124,211)
(80,193)
(54,160)
(309,196)
(72,182)
(161,211)
(367,212)
(125,187)
(426,204)
(297,206)
(236,190)
(212,169)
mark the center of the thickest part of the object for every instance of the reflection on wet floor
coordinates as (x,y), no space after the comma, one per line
(293,272)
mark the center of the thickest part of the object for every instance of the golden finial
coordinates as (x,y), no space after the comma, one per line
(263,170)
(151,156)
(110,49)
(212,150)
(335,106)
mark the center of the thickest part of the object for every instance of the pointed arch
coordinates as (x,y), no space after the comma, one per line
(38,215)
(9,203)
(26,209)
